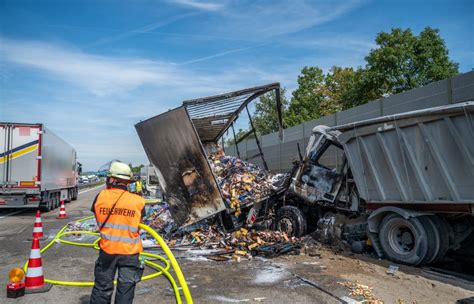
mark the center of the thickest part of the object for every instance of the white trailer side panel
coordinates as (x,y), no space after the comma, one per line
(19,150)
(58,162)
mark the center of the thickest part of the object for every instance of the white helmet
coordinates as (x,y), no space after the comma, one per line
(120,170)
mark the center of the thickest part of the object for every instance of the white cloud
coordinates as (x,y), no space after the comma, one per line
(221,54)
(264,19)
(93,101)
(117,76)
(341,42)
(275,18)
(206,6)
(100,75)
(142,30)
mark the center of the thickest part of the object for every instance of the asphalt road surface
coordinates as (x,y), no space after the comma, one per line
(209,282)
(286,279)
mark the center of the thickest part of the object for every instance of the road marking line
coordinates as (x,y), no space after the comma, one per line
(12,213)
(84,191)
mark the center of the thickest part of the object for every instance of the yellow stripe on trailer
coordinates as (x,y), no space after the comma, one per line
(17,154)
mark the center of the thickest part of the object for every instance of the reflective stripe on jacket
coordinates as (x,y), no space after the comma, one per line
(120,234)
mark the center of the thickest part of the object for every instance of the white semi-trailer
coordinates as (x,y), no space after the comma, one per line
(37,168)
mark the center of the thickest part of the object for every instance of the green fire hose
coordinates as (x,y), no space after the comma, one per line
(160,269)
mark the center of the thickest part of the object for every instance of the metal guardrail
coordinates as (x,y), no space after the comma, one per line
(90,185)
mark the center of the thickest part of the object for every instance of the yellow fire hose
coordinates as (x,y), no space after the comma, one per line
(160,269)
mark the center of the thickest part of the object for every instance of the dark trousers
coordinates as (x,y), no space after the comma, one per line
(104,272)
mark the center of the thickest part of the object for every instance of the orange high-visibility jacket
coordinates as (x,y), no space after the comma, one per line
(120,234)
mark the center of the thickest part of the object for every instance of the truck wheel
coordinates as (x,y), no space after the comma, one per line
(405,241)
(434,239)
(291,220)
(54,202)
(74,194)
(70,194)
(57,201)
(47,206)
(443,230)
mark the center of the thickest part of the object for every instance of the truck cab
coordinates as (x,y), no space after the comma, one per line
(321,184)
(323,177)
(151,182)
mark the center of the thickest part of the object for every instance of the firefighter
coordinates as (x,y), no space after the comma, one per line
(139,185)
(118,214)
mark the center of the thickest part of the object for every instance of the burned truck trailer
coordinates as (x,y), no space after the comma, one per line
(411,176)
(178,143)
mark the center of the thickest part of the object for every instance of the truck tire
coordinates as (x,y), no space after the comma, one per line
(46,207)
(434,239)
(68,198)
(406,241)
(57,201)
(74,194)
(443,230)
(291,220)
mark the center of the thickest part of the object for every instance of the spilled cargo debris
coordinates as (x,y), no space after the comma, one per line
(361,292)
(242,183)
(240,244)
(89,225)
(159,218)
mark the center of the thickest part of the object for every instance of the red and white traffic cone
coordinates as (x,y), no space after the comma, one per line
(62,212)
(34,282)
(38,227)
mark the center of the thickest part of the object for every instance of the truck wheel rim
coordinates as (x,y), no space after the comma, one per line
(286,226)
(402,239)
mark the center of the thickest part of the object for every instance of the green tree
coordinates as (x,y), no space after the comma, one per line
(433,57)
(136,169)
(321,94)
(305,101)
(337,90)
(265,119)
(404,61)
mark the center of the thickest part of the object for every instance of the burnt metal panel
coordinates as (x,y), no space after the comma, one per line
(173,147)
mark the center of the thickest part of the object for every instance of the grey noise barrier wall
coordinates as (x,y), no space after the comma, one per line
(281,154)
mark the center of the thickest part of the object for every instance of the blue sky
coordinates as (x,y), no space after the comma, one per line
(90,70)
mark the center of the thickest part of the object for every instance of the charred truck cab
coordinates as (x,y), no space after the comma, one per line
(323,178)
(408,177)
(321,184)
